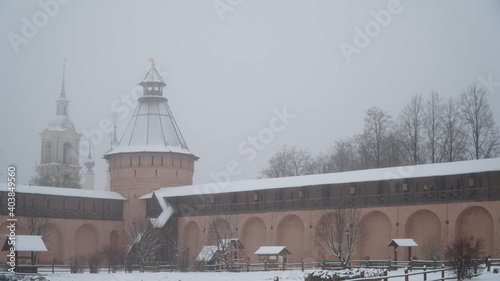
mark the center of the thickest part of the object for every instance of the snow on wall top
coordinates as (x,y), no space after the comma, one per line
(394,173)
(60,191)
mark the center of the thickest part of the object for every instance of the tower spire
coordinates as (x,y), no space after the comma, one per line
(88,180)
(114,139)
(63,86)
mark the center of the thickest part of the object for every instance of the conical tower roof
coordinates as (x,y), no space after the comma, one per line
(152,127)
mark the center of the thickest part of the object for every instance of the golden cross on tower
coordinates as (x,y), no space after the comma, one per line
(152,60)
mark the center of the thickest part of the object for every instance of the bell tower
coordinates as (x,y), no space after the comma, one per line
(61,144)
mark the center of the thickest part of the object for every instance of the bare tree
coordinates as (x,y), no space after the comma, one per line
(411,131)
(433,123)
(287,162)
(340,231)
(377,126)
(393,152)
(481,132)
(146,241)
(221,236)
(57,176)
(431,250)
(113,256)
(454,142)
(343,155)
(362,152)
(35,226)
(465,253)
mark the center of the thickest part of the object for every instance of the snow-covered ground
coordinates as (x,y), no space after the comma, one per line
(227,276)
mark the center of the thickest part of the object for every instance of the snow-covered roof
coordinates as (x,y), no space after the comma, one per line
(403,243)
(272,250)
(152,128)
(394,173)
(26,243)
(167,212)
(60,191)
(152,76)
(207,253)
(61,123)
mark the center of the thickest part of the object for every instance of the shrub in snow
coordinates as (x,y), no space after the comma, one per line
(77,264)
(327,275)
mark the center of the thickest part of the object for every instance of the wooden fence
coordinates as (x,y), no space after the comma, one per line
(424,267)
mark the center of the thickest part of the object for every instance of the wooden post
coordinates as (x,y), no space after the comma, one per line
(323,263)
(265,265)
(442,272)
(385,274)
(52,266)
(488,264)
(302,261)
(406,276)
(425,273)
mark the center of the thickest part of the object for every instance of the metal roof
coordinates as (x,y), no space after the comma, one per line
(403,243)
(152,127)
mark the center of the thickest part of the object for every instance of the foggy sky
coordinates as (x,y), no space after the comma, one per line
(229,71)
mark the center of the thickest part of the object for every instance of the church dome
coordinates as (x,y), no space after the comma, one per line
(61,123)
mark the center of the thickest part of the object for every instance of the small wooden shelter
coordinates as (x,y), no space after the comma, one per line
(273,254)
(25,243)
(402,243)
(212,254)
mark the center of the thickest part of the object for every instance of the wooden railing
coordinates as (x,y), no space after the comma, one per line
(65,213)
(423,267)
(389,199)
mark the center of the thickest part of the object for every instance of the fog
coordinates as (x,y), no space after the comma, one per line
(232,66)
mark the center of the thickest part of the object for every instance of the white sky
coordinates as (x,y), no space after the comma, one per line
(225,77)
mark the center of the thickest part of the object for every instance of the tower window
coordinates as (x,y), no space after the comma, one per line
(139,161)
(152,161)
(162,160)
(130,164)
(67,153)
(172,161)
(156,173)
(135,173)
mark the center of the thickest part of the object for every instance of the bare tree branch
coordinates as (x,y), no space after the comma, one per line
(340,231)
